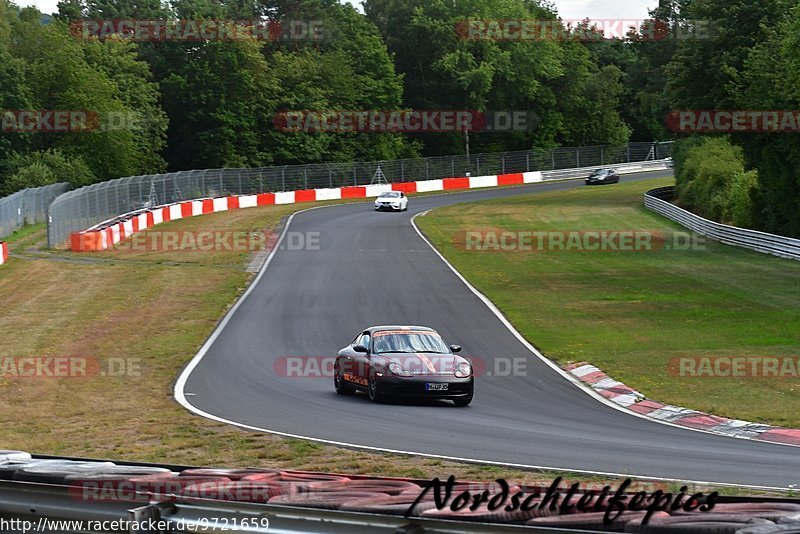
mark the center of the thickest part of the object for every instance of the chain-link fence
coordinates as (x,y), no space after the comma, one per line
(27,206)
(88,206)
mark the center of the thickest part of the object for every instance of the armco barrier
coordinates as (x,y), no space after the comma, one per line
(72,494)
(3,253)
(116,497)
(785,247)
(111,232)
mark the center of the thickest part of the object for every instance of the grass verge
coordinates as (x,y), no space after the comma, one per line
(633,313)
(153,310)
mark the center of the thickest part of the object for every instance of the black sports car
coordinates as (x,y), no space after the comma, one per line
(603,176)
(403,361)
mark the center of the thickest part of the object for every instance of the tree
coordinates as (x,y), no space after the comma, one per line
(445,67)
(44,168)
(702,70)
(50,69)
(139,95)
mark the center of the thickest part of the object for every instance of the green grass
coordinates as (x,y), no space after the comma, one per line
(123,304)
(630,313)
(26,235)
(156,307)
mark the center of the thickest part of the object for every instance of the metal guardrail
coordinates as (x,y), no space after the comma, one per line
(43,505)
(83,208)
(563,174)
(28,206)
(786,247)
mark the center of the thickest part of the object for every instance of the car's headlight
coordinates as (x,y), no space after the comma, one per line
(397,369)
(463,370)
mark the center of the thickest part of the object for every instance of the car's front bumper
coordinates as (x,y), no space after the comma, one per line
(395,207)
(414,386)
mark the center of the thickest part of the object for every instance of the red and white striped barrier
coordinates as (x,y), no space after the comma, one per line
(95,239)
(3,253)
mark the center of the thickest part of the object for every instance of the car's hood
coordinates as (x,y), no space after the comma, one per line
(424,363)
(387,199)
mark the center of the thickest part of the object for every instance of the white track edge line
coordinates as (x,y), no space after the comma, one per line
(569,376)
(180,383)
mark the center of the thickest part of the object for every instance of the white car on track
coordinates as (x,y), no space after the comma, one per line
(391,200)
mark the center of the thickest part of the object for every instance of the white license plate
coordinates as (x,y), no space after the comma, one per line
(436,387)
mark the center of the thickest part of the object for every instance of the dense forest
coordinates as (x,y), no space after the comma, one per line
(209,103)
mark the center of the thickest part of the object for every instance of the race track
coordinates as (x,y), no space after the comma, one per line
(373,268)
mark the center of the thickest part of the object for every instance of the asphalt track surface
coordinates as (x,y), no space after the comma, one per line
(373,268)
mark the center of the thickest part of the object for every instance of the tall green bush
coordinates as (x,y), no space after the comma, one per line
(711,180)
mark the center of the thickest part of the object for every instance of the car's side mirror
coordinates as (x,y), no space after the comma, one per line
(455,348)
(360,348)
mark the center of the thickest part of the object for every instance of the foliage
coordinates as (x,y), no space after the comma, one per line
(574,101)
(44,168)
(750,61)
(214,103)
(711,180)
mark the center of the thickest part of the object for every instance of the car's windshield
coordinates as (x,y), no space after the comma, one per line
(409,342)
(390,194)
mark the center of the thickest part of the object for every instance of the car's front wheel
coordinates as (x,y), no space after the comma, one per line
(342,387)
(374,389)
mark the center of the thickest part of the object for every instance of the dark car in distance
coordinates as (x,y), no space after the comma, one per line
(603,176)
(403,361)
